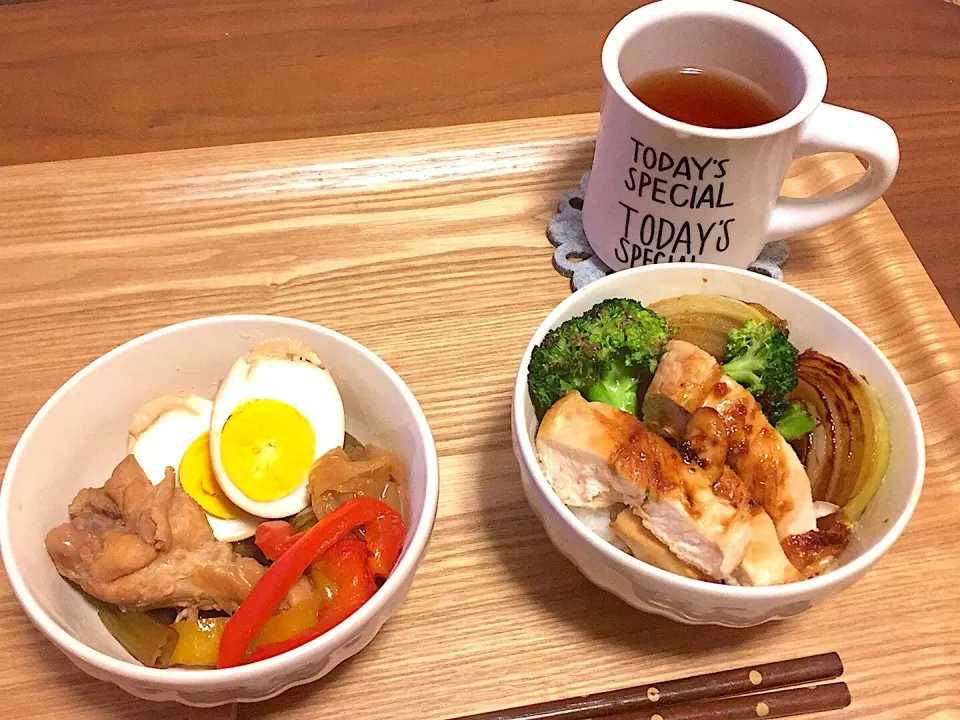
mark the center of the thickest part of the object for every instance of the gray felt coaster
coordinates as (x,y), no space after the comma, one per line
(574,258)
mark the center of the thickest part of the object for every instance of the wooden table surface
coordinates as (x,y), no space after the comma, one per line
(428,247)
(83,78)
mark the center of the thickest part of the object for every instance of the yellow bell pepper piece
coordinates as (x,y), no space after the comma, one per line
(199,641)
(294,621)
(323,583)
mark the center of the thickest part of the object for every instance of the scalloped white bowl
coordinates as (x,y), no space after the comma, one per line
(80,434)
(812,324)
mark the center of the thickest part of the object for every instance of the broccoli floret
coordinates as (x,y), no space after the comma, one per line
(603,354)
(761,358)
(795,422)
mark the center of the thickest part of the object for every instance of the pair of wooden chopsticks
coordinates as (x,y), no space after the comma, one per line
(759,691)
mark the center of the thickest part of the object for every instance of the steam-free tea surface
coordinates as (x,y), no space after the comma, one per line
(708,97)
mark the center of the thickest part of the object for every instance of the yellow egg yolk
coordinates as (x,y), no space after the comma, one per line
(267,447)
(198,481)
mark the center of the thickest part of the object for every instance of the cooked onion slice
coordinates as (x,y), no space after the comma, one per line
(846,455)
(705,320)
(873,472)
(364,470)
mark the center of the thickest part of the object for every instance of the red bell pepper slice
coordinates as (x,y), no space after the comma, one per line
(275,537)
(385,539)
(381,525)
(347,563)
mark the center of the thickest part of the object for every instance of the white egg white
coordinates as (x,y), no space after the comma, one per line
(287,371)
(159,435)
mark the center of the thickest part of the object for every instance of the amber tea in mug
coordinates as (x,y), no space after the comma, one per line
(703,105)
(707,97)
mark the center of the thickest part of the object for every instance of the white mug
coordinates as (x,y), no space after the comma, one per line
(666,191)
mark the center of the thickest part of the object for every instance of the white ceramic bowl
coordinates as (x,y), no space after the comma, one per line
(80,434)
(812,324)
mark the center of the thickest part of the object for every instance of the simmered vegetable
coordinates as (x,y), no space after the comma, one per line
(248,548)
(304,520)
(302,616)
(870,477)
(348,562)
(355,470)
(323,582)
(199,641)
(351,444)
(275,537)
(705,320)
(846,455)
(384,531)
(366,471)
(142,635)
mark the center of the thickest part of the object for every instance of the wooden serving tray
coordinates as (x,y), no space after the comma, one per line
(428,247)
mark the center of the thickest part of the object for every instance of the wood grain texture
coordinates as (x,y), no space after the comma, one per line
(82,78)
(428,247)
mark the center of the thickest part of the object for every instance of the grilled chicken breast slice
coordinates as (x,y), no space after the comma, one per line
(644,545)
(595,455)
(688,378)
(765,562)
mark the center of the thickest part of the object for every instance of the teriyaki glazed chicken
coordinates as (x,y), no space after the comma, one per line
(693,435)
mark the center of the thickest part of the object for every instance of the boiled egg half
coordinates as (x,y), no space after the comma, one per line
(173,431)
(276,412)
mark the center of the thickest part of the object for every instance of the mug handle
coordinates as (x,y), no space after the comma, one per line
(830,129)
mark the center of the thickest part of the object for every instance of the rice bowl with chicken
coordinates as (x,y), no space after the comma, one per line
(704,424)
